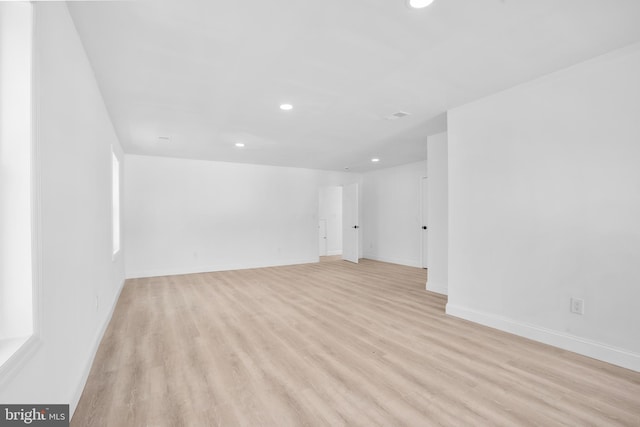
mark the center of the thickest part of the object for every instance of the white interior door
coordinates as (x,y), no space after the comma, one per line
(350,226)
(322,237)
(424,226)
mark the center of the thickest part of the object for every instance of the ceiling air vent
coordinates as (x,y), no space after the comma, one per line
(398,115)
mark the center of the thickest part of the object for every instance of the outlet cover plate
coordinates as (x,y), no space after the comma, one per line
(577,305)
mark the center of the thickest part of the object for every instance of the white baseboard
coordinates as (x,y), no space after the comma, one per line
(214,267)
(393,260)
(73,404)
(437,287)
(586,347)
(331,253)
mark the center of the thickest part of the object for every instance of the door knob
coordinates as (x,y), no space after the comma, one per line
(355,226)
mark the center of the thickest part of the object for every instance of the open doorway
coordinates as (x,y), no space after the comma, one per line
(330,222)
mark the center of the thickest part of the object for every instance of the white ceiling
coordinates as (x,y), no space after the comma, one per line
(211,73)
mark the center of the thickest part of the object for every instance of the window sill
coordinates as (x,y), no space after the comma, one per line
(9,346)
(14,352)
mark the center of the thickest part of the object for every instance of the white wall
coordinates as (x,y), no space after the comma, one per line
(544,204)
(437,214)
(73,143)
(185,216)
(330,209)
(391,214)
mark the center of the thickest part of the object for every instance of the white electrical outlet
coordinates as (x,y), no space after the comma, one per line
(97,303)
(577,305)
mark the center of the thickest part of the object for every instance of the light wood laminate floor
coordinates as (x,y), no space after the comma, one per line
(332,343)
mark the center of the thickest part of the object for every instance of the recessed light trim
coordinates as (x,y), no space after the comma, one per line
(398,115)
(419,4)
(239,144)
(286,107)
(375,160)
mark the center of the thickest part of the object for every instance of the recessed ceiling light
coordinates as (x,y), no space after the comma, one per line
(419,4)
(375,160)
(398,115)
(239,144)
(286,107)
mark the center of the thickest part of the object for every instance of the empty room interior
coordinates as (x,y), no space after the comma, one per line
(288,213)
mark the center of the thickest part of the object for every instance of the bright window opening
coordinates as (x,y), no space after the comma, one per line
(16,269)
